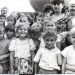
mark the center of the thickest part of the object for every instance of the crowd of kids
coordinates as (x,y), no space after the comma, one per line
(39,42)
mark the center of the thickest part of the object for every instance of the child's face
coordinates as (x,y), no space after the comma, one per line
(23,19)
(73,38)
(49,41)
(50,26)
(1,33)
(22,31)
(40,20)
(4,11)
(9,34)
(10,21)
(57,7)
(72,10)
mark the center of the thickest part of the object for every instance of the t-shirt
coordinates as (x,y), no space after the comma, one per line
(47,58)
(69,53)
(22,47)
(4,45)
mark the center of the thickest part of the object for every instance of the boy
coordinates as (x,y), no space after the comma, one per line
(4,52)
(48,57)
(68,66)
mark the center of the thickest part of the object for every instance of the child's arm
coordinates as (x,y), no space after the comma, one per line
(11,62)
(4,56)
(59,56)
(36,68)
(70,67)
(63,65)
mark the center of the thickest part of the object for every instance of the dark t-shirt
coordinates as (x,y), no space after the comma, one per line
(4,44)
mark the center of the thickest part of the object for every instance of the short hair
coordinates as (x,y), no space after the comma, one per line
(54,2)
(22,24)
(49,34)
(47,7)
(35,25)
(10,28)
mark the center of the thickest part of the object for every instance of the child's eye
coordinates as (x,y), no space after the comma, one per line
(52,40)
(47,39)
(52,25)
(48,25)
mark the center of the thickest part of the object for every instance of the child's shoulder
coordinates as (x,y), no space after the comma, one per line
(69,47)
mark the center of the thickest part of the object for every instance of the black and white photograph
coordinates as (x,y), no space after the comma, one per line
(37,37)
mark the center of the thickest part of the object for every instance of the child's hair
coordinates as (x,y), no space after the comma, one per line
(22,24)
(10,28)
(35,30)
(54,2)
(47,7)
(50,34)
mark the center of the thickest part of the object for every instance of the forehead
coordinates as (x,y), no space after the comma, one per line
(50,23)
(49,37)
(23,27)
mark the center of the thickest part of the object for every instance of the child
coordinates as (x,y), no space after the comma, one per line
(11,20)
(21,48)
(10,31)
(48,10)
(68,66)
(40,19)
(48,57)
(4,11)
(4,52)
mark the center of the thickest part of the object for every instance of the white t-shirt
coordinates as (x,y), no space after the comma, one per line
(22,47)
(69,53)
(47,58)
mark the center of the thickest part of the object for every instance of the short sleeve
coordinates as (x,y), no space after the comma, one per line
(37,56)
(65,52)
(32,45)
(12,45)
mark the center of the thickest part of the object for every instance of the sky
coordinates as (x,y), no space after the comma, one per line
(17,5)
(20,5)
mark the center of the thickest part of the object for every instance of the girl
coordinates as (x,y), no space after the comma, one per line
(21,49)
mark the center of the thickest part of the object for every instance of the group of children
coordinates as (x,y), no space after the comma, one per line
(38,43)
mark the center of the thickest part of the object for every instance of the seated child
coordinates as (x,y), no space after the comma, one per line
(48,57)
(68,65)
(4,52)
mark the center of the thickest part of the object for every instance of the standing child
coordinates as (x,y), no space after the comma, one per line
(48,57)
(68,66)
(10,31)
(21,49)
(4,52)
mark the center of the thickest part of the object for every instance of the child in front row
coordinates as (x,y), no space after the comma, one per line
(48,57)
(21,50)
(68,66)
(4,52)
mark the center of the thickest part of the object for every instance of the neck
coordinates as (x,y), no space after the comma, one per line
(22,38)
(50,47)
(57,12)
